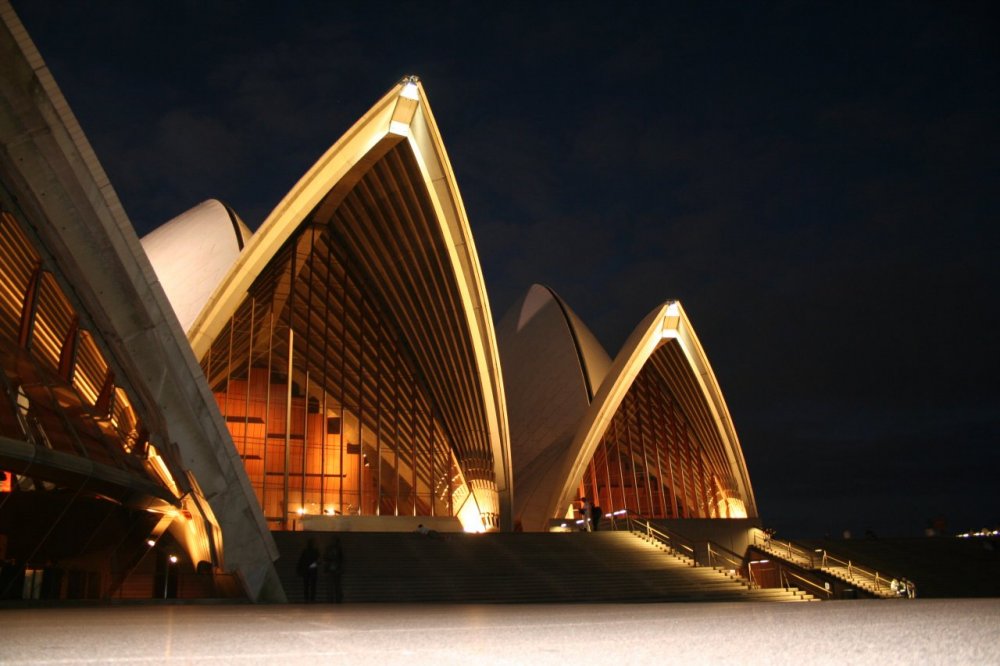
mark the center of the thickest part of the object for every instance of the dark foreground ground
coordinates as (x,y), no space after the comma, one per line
(884,632)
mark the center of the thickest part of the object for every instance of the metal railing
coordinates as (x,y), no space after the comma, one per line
(786,574)
(674,542)
(855,573)
(720,557)
(822,559)
(785,549)
(715,555)
(723,558)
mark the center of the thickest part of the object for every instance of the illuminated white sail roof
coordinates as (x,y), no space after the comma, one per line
(193,252)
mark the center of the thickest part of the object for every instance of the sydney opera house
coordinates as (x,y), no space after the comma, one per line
(208,386)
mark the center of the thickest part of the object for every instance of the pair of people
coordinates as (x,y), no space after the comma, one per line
(309,565)
(903,588)
(906,588)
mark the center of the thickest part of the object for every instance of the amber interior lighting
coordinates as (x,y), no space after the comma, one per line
(350,346)
(660,457)
(58,390)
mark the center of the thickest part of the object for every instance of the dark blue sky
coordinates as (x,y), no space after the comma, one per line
(816,182)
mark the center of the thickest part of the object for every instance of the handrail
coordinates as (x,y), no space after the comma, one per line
(853,570)
(798,554)
(682,541)
(828,592)
(786,549)
(672,541)
(718,552)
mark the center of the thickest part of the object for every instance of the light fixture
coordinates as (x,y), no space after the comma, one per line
(409,90)
(173,559)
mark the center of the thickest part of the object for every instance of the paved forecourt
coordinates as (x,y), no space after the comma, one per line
(875,631)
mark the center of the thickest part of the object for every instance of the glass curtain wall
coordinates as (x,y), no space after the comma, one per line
(325,405)
(650,462)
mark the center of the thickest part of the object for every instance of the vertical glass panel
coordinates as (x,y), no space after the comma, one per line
(349,430)
(651,462)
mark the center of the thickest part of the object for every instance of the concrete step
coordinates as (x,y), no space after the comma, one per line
(512,568)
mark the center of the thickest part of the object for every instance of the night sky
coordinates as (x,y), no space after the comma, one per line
(816,183)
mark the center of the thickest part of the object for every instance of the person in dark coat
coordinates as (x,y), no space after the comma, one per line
(333,564)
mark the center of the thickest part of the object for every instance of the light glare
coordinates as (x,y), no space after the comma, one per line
(410,91)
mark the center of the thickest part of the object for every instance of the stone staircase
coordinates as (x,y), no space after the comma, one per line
(513,568)
(866,583)
(812,559)
(941,567)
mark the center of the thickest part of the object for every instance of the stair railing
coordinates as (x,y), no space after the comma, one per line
(820,558)
(722,557)
(717,555)
(673,542)
(786,549)
(802,579)
(872,577)
(681,544)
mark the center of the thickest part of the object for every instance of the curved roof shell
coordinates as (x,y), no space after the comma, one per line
(90,244)
(388,189)
(193,252)
(552,366)
(666,340)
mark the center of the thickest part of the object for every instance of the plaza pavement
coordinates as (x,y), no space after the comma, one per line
(931,631)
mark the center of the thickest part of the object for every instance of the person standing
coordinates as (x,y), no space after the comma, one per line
(587,509)
(333,560)
(308,568)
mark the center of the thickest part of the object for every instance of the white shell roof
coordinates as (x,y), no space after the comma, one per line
(698,394)
(552,367)
(192,253)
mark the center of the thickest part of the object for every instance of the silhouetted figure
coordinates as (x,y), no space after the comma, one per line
(587,511)
(596,515)
(308,568)
(333,565)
